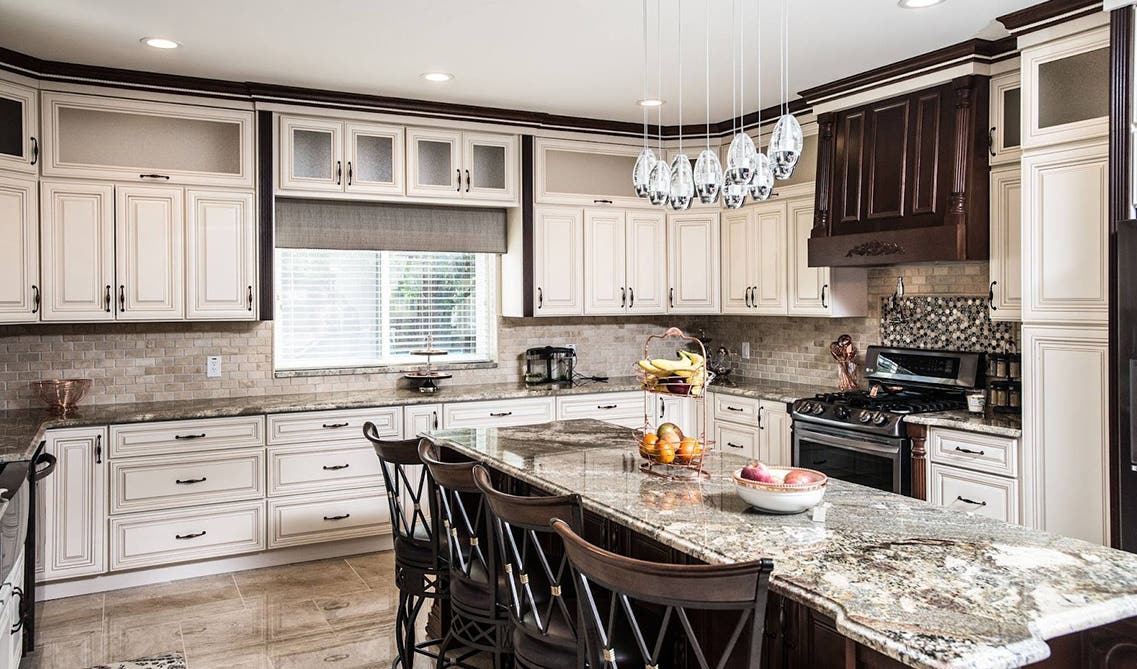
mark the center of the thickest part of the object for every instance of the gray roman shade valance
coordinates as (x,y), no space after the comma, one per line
(324,224)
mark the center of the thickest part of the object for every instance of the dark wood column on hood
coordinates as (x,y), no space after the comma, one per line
(904,180)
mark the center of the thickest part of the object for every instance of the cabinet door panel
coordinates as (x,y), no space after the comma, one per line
(646,266)
(737,261)
(374,159)
(693,263)
(148,253)
(769,295)
(1006,288)
(740,441)
(925,154)
(78,251)
(75,519)
(19,255)
(433,163)
(809,288)
(489,167)
(19,123)
(849,178)
(559,262)
(887,158)
(1065,89)
(311,154)
(605,289)
(775,445)
(420,418)
(1006,118)
(221,255)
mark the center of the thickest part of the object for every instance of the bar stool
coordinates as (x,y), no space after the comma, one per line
(542,604)
(421,570)
(613,590)
(479,620)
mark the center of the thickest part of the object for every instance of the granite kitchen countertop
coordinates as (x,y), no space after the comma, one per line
(1002,425)
(926,585)
(21,430)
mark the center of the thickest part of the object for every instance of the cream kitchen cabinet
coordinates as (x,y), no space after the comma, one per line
(754,259)
(1005,134)
(19,134)
(499,413)
(20,297)
(1005,292)
(77,251)
(1065,234)
(693,263)
(149,256)
(449,164)
(625,269)
(221,255)
(332,156)
(558,262)
(420,418)
(835,292)
(626,409)
(1065,86)
(736,440)
(569,172)
(975,473)
(775,442)
(756,429)
(739,260)
(75,513)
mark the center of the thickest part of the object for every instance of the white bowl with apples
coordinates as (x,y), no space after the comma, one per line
(782,490)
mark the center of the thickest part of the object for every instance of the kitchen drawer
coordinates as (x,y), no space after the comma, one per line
(309,519)
(175,481)
(981,452)
(736,440)
(992,496)
(619,408)
(741,410)
(186,436)
(316,426)
(498,413)
(296,469)
(165,537)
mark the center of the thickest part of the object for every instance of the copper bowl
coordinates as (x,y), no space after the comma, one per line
(62,395)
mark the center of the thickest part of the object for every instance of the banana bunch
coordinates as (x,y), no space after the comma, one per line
(691,367)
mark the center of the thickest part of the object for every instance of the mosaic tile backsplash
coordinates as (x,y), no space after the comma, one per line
(954,323)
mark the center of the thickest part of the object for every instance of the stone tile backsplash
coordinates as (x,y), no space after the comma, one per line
(165,361)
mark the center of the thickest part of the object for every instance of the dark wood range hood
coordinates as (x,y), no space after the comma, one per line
(904,180)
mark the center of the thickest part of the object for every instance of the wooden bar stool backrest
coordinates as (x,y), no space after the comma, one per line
(627,588)
(410,491)
(540,581)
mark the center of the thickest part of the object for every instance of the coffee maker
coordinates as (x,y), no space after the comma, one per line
(549,364)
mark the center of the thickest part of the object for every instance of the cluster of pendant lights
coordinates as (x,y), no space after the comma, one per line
(749,171)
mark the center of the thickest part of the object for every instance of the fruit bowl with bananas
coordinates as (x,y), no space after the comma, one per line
(685,375)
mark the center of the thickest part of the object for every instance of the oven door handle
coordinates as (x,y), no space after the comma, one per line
(43,458)
(866,446)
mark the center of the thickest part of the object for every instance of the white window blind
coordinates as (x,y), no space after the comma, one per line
(354,308)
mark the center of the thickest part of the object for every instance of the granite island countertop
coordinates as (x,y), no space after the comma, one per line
(930,586)
(21,430)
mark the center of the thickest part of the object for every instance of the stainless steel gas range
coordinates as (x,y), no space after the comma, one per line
(860,435)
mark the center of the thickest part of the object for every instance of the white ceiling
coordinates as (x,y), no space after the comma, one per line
(576,57)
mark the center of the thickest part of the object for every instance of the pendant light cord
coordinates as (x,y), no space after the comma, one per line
(679,21)
(644,96)
(741,67)
(659,64)
(707,56)
(758,41)
(733,71)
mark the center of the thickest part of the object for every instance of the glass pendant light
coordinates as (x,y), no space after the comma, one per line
(741,157)
(733,191)
(682,181)
(646,160)
(762,184)
(786,141)
(708,169)
(659,183)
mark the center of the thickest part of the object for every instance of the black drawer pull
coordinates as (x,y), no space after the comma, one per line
(340,517)
(819,462)
(607,406)
(970,501)
(501,414)
(335,426)
(601,202)
(200,435)
(969,451)
(333,468)
(154,176)
(194,535)
(190,481)
(734,409)
(734,445)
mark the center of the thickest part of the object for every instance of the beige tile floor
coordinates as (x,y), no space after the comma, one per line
(329,613)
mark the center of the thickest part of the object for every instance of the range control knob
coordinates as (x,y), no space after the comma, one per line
(817,409)
(865,416)
(879,419)
(841,412)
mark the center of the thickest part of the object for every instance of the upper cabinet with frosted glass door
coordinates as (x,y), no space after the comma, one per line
(333,156)
(19,137)
(1005,133)
(138,141)
(1066,85)
(448,164)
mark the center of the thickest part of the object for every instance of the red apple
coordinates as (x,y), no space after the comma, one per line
(799,477)
(756,471)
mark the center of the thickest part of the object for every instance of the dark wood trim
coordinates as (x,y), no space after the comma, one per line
(1046,14)
(527,223)
(919,436)
(974,50)
(266,215)
(1120,94)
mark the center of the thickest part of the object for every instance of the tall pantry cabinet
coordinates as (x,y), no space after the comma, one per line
(1064,282)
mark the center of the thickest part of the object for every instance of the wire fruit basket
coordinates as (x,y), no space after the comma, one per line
(668,452)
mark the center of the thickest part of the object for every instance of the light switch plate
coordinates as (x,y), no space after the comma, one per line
(744,350)
(213,366)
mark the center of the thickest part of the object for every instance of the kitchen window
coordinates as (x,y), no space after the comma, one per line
(349,309)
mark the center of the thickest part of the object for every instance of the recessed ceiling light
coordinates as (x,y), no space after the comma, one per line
(437,76)
(649,102)
(159,42)
(918,4)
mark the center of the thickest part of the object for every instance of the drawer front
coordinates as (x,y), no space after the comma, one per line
(981,452)
(742,410)
(736,440)
(499,414)
(309,519)
(992,496)
(175,481)
(156,538)
(186,436)
(316,426)
(612,407)
(327,467)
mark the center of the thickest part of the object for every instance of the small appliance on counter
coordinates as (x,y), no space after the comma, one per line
(550,364)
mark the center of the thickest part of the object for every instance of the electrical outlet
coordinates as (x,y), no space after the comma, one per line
(213,366)
(744,350)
